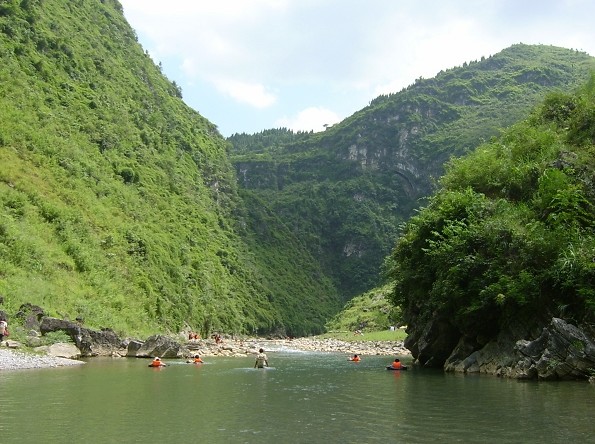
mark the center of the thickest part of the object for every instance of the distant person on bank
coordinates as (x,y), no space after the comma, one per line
(261,359)
(3,330)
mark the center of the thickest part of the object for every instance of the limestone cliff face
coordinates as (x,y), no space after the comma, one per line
(556,350)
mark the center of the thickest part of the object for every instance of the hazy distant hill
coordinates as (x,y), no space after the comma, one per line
(344,192)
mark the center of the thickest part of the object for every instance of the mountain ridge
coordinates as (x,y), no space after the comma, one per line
(347,189)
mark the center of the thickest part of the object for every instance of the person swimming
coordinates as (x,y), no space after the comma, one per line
(157,362)
(355,358)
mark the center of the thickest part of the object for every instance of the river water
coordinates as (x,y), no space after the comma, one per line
(304,397)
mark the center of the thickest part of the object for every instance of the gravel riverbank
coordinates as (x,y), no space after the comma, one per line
(17,360)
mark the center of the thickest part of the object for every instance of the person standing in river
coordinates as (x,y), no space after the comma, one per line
(261,359)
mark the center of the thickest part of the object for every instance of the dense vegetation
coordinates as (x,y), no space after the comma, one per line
(371,311)
(345,191)
(120,205)
(117,202)
(509,237)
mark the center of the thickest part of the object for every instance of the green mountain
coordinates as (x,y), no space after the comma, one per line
(118,203)
(121,205)
(344,192)
(506,244)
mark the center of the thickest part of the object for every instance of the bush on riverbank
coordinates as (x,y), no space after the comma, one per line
(370,311)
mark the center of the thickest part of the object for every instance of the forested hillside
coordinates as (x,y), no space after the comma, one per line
(118,203)
(345,191)
(505,245)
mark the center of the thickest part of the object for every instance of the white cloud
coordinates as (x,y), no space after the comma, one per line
(253,94)
(314,118)
(317,55)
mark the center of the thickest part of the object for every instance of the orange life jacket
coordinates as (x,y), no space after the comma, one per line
(197,361)
(396,365)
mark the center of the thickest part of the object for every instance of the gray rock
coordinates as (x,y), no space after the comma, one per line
(162,346)
(89,342)
(133,347)
(63,350)
(560,351)
(30,315)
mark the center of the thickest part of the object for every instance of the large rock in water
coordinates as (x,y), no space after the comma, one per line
(161,346)
(559,351)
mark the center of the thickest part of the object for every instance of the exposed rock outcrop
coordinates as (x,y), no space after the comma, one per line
(559,351)
(89,342)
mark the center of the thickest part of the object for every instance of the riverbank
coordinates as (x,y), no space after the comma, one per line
(231,347)
(17,360)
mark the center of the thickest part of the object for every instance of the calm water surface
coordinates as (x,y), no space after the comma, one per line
(304,398)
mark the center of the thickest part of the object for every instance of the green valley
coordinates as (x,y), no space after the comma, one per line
(121,205)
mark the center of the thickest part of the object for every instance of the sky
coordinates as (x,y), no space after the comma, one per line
(252,65)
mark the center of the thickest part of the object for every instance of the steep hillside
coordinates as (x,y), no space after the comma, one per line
(344,192)
(117,202)
(505,245)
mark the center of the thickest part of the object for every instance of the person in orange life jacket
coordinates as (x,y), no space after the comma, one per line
(396,364)
(355,358)
(197,360)
(157,362)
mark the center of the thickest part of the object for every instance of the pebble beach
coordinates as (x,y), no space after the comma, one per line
(17,360)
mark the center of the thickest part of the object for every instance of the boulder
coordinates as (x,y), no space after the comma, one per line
(133,347)
(63,350)
(162,346)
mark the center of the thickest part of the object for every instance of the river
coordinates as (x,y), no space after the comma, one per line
(305,397)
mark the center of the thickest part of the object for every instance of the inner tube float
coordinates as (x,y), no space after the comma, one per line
(390,367)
